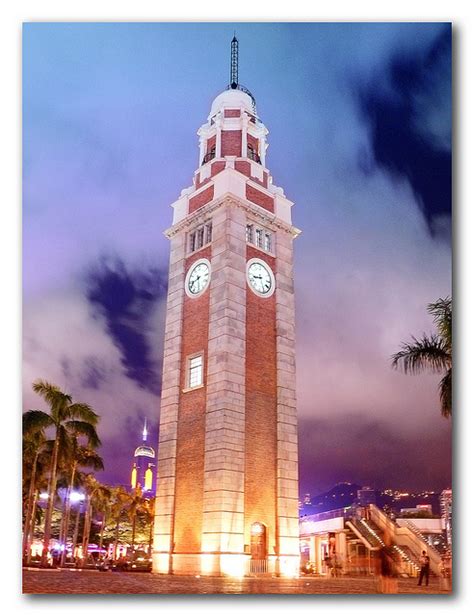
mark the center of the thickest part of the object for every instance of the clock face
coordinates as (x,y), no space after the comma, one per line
(260,277)
(198,277)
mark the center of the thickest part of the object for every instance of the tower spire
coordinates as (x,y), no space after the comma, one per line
(145,431)
(234,63)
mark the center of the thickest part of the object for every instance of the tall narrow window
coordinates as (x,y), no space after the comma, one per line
(209,232)
(268,242)
(259,238)
(192,242)
(200,237)
(249,234)
(195,371)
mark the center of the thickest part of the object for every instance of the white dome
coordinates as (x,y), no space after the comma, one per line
(232,98)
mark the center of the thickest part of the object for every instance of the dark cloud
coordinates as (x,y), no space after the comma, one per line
(410,125)
(93,373)
(126,299)
(358,449)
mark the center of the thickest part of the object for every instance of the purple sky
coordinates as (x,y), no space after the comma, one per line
(360,139)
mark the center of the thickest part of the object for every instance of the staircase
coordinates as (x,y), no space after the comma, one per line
(408,539)
(402,558)
(416,531)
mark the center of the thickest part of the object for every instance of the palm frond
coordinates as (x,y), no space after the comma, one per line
(441,310)
(82,411)
(52,394)
(34,421)
(85,429)
(88,457)
(428,353)
(445,394)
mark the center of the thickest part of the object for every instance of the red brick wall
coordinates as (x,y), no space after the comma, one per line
(243,166)
(231,113)
(231,143)
(260,198)
(201,199)
(260,412)
(191,425)
(217,167)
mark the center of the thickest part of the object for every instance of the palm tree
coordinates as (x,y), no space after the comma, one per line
(36,456)
(64,417)
(79,456)
(433,352)
(120,498)
(135,506)
(102,503)
(33,446)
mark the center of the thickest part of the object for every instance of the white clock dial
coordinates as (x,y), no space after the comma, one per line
(260,277)
(198,277)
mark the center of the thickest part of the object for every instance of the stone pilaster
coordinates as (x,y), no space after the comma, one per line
(287,436)
(165,496)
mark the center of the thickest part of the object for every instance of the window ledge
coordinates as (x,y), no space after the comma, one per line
(186,389)
(193,252)
(267,252)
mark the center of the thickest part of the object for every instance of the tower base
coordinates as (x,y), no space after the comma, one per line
(233,565)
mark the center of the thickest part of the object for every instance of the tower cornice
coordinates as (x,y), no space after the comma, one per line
(228,199)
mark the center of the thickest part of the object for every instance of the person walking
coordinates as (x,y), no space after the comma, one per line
(424,568)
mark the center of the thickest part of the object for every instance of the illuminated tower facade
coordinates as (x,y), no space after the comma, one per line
(143,464)
(227,496)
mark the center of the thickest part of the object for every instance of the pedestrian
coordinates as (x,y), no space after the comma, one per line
(424,568)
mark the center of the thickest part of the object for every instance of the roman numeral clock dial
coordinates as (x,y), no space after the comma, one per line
(260,278)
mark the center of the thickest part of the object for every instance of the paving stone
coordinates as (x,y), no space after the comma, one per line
(72,581)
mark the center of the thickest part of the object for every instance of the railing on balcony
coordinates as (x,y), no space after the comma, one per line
(343,512)
(207,157)
(253,155)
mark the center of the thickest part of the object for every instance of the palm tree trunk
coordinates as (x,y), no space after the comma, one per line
(102,529)
(76,531)
(29,508)
(32,527)
(63,519)
(86,530)
(67,514)
(134,525)
(117,529)
(50,504)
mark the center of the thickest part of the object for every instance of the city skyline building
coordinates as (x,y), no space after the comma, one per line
(227,498)
(142,474)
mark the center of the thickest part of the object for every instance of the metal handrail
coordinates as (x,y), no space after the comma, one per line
(207,157)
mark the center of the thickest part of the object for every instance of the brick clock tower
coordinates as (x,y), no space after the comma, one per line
(227,491)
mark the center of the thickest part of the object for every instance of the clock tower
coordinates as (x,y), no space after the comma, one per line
(227,492)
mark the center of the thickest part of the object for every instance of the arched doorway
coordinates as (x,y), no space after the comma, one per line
(258,548)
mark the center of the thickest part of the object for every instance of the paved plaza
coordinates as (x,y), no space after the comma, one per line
(95,582)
